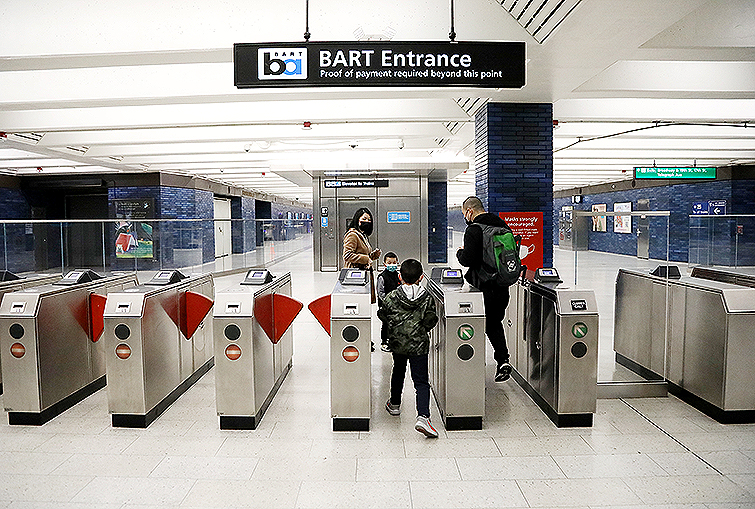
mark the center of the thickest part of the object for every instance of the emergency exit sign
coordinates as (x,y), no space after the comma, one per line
(674,172)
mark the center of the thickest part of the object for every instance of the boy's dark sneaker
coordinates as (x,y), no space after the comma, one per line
(503,372)
(392,409)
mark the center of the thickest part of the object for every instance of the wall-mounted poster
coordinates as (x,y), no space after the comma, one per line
(622,224)
(133,238)
(599,222)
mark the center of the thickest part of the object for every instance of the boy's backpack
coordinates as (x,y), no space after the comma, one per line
(500,256)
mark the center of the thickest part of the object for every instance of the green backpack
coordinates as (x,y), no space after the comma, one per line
(500,256)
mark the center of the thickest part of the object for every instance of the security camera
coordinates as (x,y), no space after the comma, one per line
(400,144)
(248,147)
(353,145)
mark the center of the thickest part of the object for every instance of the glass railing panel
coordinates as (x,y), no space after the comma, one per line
(640,241)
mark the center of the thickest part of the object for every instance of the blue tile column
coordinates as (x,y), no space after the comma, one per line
(514,162)
(437,219)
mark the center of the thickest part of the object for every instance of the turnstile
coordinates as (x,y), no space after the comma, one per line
(552,335)
(254,346)
(696,334)
(158,344)
(457,350)
(51,334)
(350,352)
(10,282)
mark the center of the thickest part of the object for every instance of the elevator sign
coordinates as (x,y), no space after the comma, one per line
(400,217)
(380,63)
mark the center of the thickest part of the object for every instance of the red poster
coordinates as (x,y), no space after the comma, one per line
(530,226)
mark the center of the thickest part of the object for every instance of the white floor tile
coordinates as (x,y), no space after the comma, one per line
(510,467)
(577,492)
(305,469)
(238,494)
(407,469)
(41,488)
(421,447)
(174,446)
(353,495)
(30,462)
(465,494)
(691,489)
(194,467)
(135,490)
(108,465)
(615,465)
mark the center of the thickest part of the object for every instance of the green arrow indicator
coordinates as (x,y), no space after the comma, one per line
(465,332)
(579,330)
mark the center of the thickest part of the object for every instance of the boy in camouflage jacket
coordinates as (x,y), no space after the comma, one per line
(408,313)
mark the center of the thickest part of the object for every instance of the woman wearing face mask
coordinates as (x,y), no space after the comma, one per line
(357,252)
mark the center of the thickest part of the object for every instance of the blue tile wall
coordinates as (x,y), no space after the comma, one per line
(243,233)
(514,161)
(16,241)
(437,214)
(699,240)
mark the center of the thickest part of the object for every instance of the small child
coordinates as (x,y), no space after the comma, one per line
(387,281)
(409,314)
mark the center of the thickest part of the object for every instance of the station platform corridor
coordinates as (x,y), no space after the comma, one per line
(655,453)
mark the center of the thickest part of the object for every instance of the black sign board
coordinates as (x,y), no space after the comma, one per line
(578,305)
(356,183)
(379,64)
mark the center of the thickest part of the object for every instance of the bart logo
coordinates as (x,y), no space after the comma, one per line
(282,63)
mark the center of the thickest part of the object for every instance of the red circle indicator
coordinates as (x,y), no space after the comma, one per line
(350,354)
(17,350)
(233,352)
(123,351)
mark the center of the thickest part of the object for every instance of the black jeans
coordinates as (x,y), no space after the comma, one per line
(496,299)
(418,365)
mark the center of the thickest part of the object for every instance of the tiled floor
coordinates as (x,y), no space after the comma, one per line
(649,453)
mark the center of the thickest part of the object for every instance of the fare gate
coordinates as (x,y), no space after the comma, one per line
(552,334)
(693,332)
(157,344)
(10,282)
(346,315)
(457,350)
(254,346)
(51,334)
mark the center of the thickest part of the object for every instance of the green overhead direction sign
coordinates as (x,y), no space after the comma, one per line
(674,172)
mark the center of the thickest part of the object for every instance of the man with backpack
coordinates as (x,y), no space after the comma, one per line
(480,251)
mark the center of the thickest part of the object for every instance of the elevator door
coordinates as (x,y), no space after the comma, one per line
(222,208)
(85,242)
(643,230)
(346,210)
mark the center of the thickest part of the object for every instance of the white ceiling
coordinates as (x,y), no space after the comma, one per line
(110,85)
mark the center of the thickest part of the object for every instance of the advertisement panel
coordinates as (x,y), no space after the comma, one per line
(530,226)
(379,64)
(133,238)
(622,224)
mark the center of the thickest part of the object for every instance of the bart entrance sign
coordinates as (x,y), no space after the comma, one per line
(379,64)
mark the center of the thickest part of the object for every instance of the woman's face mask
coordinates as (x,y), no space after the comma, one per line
(365,227)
